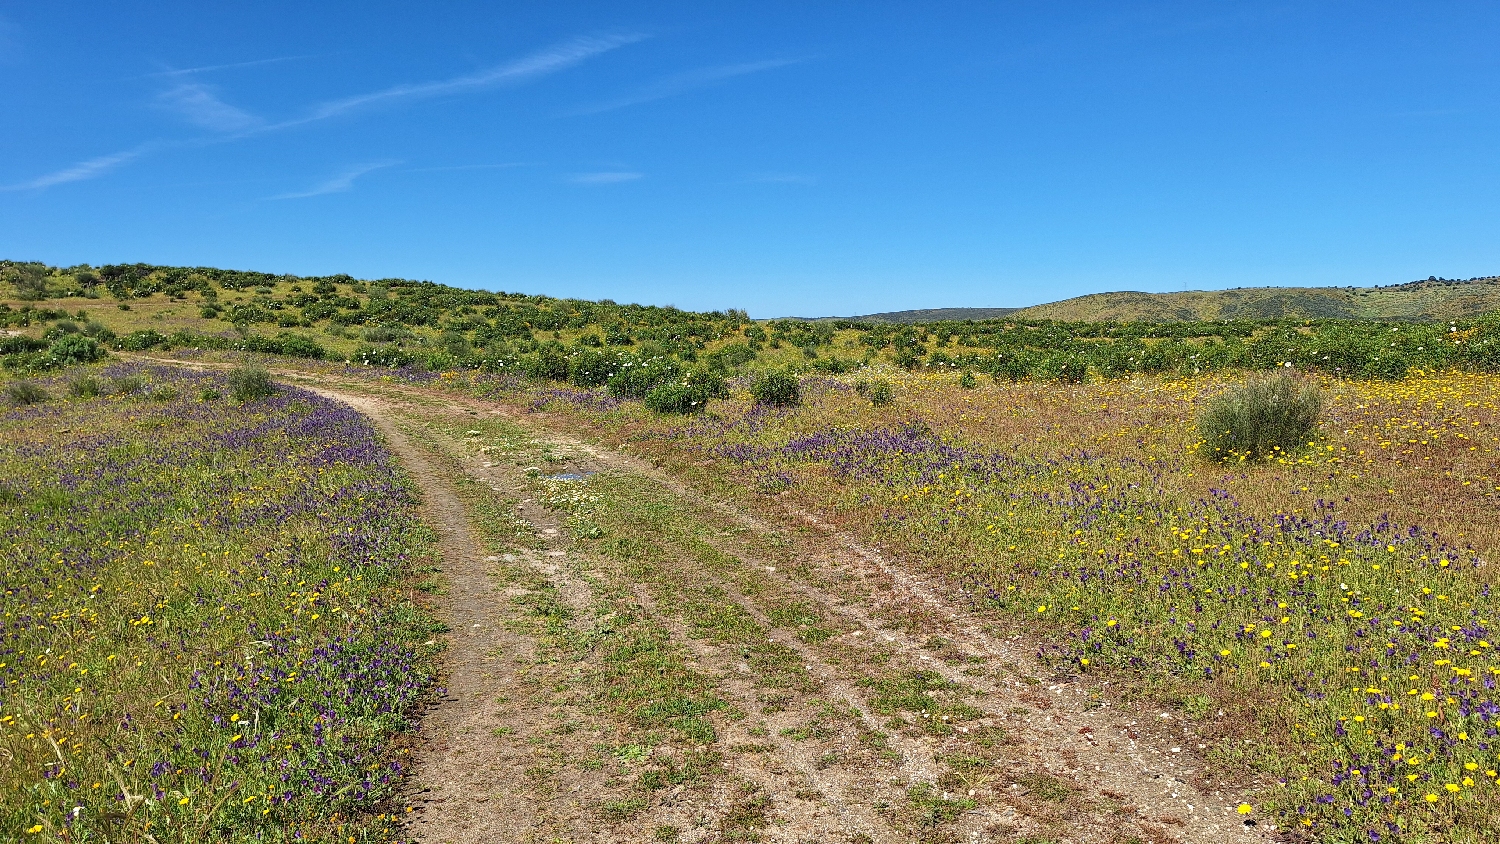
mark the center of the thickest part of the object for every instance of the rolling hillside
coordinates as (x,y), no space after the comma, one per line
(1430,300)
(923,315)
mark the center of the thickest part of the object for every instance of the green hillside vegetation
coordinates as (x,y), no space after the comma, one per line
(53,317)
(1429,300)
(925,315)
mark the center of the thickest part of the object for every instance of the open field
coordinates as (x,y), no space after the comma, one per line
(1318,642)
(940,598)
(205,630)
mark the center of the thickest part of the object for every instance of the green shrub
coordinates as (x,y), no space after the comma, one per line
(381,356)
(73,349)
(25,392)
(777,388)
(547,363)
(636,379)
(878,391)
(730,357)
(967,380)
(128,385)
(1010,366)
(590,368)
(249,382)
(1066,368)
(1263,418)
(140,341)
(689,395)
(711,384)
(298,346)
(85,387)
(674,397)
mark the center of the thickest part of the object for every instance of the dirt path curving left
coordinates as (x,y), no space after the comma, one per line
(462,763)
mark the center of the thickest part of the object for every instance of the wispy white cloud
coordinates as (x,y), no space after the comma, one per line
(200,106)
(541,63)
(344,181)
(81,171)
(681,84)
(188,71)
(610,177)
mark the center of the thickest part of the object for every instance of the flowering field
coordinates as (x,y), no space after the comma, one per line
(200,633)
(1326,618)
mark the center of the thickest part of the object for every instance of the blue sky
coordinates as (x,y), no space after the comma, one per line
(790,158)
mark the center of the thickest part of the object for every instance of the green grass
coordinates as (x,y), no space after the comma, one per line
(201,641)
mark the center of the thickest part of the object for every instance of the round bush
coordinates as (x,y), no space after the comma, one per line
(674,397)
(635,380)
(1265,418)
(73,349)
(590,368)
(878,391)
(249,382)
(777,388)
(25,392)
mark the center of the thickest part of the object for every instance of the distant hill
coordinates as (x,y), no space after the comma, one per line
(1429,300)
(923,315)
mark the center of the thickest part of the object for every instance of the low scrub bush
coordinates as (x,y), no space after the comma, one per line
(777,388)
(140,341)
(637,379)
(128,385)
(73,349)
(878,392)
(689,395)
(85,387)
(249,382)
(590,368)
(25,392)
(1261,419)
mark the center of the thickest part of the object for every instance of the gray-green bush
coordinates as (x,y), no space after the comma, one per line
(25,392)
(1262,419)
(249,382)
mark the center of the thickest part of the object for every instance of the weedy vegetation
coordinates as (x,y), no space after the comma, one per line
(1261,419)
(202,635)
(1301,564)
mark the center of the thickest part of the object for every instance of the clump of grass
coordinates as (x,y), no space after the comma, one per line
(878,392)
(777,388)
(1262,419)
(128,385)
(249,382)
(25,392)
(85,387)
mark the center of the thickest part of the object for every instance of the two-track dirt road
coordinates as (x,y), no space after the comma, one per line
(629,660)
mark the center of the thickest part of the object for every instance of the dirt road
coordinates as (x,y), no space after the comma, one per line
(631,661)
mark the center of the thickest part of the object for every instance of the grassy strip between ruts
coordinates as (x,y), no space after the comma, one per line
(203,631)
(631,716)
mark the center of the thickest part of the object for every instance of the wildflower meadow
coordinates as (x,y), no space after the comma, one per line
(202,634)
(1325,615)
